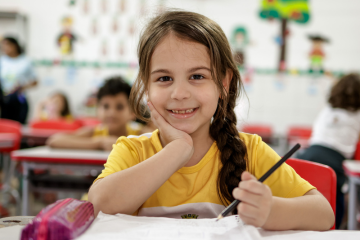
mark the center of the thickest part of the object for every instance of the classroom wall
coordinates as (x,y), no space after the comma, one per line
(305,95)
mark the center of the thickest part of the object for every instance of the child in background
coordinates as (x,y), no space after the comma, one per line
(55,107)
(196,163)
(336,132)
(113,111)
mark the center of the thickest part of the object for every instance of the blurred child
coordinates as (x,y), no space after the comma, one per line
(336,133)
(115,115)
(54,108)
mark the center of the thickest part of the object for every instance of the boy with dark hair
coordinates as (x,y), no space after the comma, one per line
(115,115)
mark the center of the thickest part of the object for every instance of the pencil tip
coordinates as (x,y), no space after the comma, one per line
(219,217)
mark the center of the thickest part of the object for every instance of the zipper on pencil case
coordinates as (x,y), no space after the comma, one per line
(42,234)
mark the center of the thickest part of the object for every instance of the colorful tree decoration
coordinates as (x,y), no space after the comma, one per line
(66,38)
(285,10)
(317,54)
(239,41)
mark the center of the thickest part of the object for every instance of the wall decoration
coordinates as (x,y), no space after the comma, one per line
(85,7)
(94,26)
(317,53)
(122,6)
(132,27)
(121,48)
(104,6)
(66,38)
(239,41)
(115,24)
(285,10)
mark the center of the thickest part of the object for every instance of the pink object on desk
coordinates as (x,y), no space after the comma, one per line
(63,220)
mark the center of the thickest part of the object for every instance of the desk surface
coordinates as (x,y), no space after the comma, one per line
(51,155)
(352,167)
(40,133)
(7,140)
(14,233)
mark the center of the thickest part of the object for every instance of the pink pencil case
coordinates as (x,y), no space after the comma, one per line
(62,220)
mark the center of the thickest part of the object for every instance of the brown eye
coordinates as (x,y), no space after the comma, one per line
(119,107)
(197,77)
(165,79)
(106,106)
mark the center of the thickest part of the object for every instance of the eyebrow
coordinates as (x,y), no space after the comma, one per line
(190,70)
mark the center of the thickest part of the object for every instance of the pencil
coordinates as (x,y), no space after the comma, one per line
(233,205)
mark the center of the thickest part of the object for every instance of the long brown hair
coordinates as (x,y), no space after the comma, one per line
(346,93)
(198,28)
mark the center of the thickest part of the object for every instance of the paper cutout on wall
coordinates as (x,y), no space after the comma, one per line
(94,26)
(132,27)
(121,48)
(239,40)
(66,38)
(71,73)
(86,7)
(104,48)
(317,53)
(285,10)
(115,24)
(122,5)
(104,6)
(142,9)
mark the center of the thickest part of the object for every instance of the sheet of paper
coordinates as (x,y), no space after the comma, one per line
(129,227)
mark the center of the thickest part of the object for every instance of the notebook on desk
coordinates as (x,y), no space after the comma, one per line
(129,227)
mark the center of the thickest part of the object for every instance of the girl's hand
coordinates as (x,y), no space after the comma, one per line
(168,132)
(256,200)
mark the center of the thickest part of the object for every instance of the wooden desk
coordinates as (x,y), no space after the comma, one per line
(352,170)
(45,158)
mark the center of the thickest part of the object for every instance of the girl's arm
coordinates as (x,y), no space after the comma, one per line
(125,191)
(259,208)
(81,139)
(309,212)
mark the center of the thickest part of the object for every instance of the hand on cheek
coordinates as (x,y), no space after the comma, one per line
(167,131)
(256,200)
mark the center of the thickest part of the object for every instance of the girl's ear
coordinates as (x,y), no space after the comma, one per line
(227,80)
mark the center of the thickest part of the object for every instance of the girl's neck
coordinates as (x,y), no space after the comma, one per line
(119,132)
(202,142)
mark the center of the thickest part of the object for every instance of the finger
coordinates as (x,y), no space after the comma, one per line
(248,210)
(247,197)
(248,220)
(247,176)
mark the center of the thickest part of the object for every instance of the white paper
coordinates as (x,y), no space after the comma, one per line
(130,227)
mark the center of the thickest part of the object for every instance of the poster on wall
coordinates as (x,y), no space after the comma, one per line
(317,53)
(66,38)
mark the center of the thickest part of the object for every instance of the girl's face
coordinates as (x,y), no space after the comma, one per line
(8,48)
(180,85)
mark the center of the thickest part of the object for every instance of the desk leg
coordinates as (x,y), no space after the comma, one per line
(25,189)
(352,203)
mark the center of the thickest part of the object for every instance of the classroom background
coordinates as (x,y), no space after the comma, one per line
(285,87)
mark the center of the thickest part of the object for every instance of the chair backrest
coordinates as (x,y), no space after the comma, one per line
(264,131)
(56,124)
(320,176)
(357,151)
(10,126)
(89,121)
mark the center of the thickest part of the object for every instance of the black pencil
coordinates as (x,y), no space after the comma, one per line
(233,205)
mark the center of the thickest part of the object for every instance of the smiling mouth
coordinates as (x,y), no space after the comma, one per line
(183,111)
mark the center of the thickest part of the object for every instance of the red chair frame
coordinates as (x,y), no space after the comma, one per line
(320,176)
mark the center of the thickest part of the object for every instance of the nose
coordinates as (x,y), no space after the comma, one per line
(180,90)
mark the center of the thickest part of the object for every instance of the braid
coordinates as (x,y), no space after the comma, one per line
(232,149)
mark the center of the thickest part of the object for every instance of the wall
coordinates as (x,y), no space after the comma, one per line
(280,101)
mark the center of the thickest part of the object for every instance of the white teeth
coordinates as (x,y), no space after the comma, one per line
(183,111)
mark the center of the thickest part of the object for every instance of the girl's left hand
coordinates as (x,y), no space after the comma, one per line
(256,200)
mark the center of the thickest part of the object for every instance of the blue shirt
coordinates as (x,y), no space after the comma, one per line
(14,72)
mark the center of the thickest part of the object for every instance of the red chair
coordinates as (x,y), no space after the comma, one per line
(56,124)
(357,151)
(10,134)
(264,131)
(299,134)
(89,121)
(320,176)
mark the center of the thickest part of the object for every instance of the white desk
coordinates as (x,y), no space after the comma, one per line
(45,158)
(14,233)
(352,170)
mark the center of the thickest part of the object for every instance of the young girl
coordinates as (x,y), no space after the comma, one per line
(196,163)
(336,132)
(55,107)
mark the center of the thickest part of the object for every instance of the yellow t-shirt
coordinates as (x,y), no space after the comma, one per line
(191,191)
(132,128)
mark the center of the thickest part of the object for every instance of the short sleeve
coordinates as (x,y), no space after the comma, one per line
(124,155)
(283,182)
(30,73)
